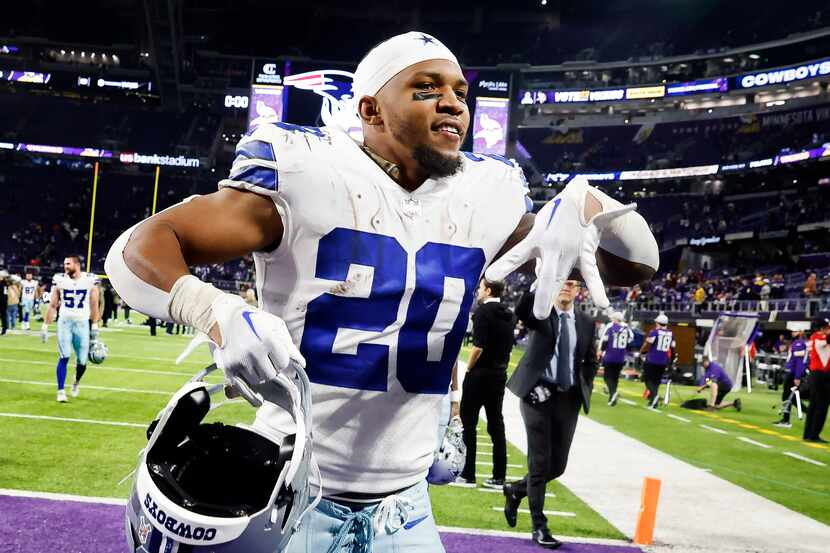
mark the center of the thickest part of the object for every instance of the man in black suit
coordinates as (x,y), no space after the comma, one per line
(554,379)
(493,324)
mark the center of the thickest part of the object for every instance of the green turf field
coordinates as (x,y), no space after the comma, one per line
(85,457)
(799,485)
(764,469)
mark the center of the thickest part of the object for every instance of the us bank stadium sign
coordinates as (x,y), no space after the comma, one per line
(155,159)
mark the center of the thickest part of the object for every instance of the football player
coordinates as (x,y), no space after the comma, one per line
(612,348)
(368,256)
(29,294)
(75,296)
(659,349)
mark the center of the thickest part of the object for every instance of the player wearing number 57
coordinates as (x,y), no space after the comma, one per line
(75,299)
(368,255)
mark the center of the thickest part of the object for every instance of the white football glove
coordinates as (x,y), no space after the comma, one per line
(93,333)
(255,346)
(44,333)
(561,240)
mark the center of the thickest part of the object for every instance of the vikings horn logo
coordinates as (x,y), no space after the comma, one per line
(339,107)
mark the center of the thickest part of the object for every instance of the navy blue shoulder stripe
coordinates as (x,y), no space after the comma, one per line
(257,149)
(264,177)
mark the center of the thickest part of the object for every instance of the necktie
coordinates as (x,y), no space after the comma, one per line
(564,379)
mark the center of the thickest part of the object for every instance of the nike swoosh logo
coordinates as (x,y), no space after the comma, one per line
(247,316)
(413,523)
(553,211)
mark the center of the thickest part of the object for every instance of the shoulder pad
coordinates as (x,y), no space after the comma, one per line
(510,170)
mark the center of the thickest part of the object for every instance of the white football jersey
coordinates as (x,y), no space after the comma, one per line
(75,295)
(29,289)
(375,284)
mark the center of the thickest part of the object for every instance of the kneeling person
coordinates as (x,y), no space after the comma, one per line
(719,383)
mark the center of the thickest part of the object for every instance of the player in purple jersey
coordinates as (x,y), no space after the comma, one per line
(613,346)
(716,379)
(658,347)
(796,366)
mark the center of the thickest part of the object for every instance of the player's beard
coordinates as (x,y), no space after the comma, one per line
(431,161)
(434,163)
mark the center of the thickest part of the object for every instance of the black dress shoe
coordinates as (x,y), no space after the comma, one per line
(542,538)
(511,505)
(816,440)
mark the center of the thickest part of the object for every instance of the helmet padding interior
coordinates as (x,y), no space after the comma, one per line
(214,469)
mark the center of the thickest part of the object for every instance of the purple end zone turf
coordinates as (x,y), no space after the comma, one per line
(30,525)
(470,543)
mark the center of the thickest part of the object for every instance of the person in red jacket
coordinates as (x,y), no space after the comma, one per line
(819,381)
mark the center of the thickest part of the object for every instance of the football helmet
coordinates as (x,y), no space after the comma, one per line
(97,352)
(216,488)
(450,458)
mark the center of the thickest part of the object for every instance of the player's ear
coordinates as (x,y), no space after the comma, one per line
(368,108)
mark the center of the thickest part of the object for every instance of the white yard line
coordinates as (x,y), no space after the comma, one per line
(549,513)
(753,442)
(490,464)
(101,367)
(675,417)
(63,497)
(805,459)
(87,387)
(626,401)
(713,429)
(171,360)
(507,476)
(491,490)
(68,419)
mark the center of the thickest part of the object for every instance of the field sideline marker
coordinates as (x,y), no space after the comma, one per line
(644,531)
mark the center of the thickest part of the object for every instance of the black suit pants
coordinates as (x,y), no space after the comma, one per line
(819,402)
(484,388)
(550,430)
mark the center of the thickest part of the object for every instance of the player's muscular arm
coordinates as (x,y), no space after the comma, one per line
(94,311)
(54,302)
(214,228)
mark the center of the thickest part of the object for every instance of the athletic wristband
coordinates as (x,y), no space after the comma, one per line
(455,396)
(190,301)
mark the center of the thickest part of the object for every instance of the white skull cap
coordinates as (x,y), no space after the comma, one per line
(392,56)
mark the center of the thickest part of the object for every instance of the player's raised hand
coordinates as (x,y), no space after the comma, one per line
(561,239)
(255,346)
